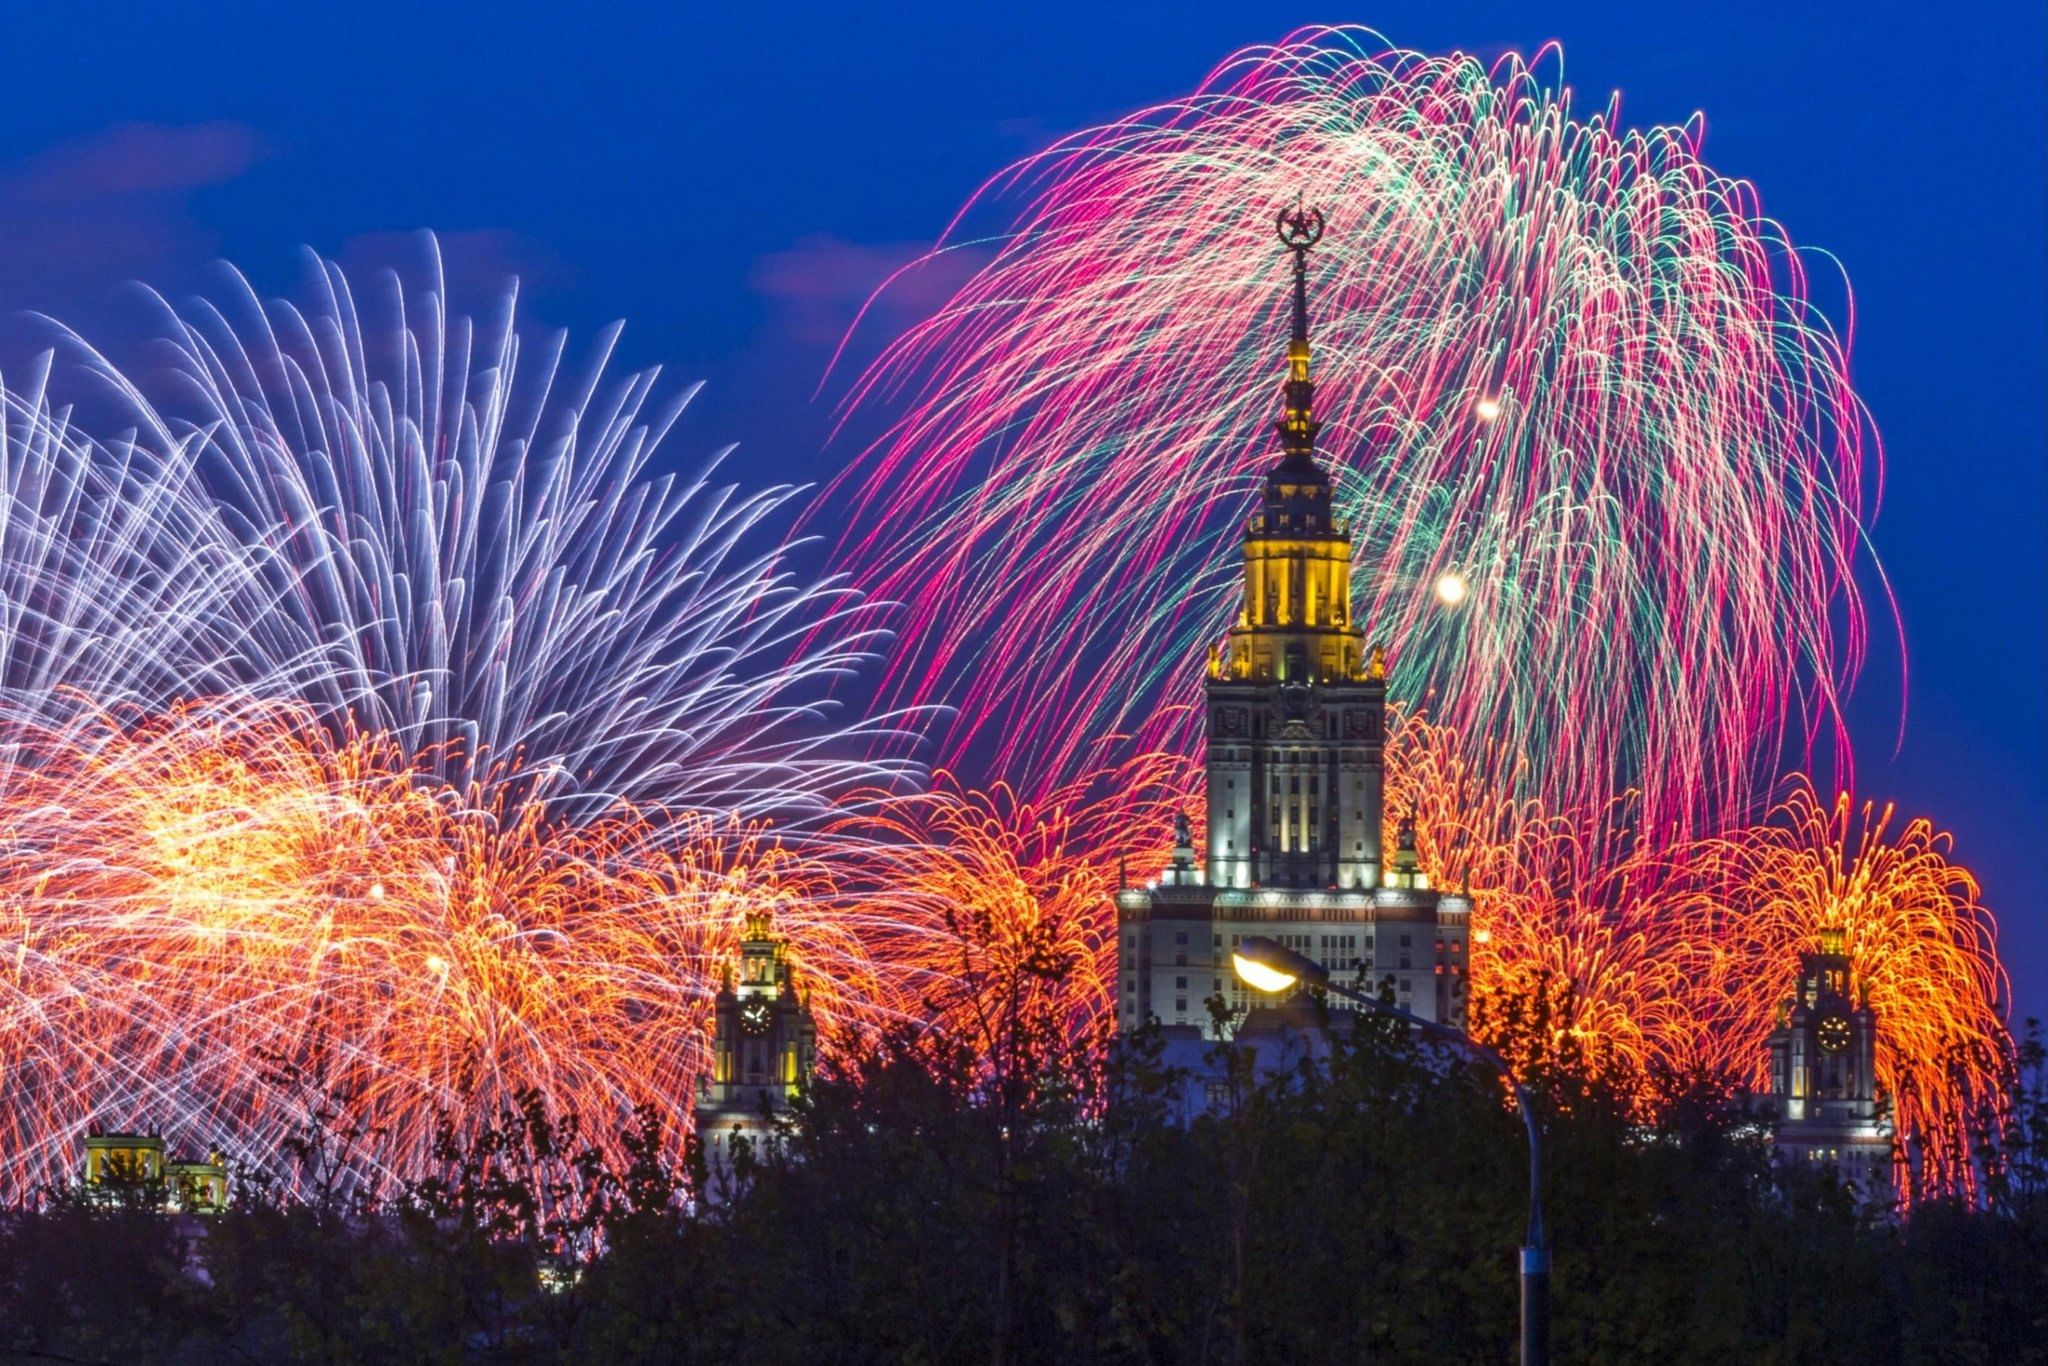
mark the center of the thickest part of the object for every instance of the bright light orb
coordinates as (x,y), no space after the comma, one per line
(1451,588)
(1260,977)
(1487,408)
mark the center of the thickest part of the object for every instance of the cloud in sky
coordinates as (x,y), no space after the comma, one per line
(135,159)
(94,213)
(818,286)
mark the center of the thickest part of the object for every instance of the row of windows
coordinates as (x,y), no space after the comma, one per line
(1304,942)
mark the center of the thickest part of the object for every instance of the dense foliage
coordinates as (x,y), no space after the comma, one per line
(1009,1197)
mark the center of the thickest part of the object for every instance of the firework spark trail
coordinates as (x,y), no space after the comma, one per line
(216,896)
(118,581)
(1569,362)
(969,896)
(466,550)
(1569,915)
(385,721)
(1921,947)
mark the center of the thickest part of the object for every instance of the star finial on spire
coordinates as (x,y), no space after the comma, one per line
(1300,228)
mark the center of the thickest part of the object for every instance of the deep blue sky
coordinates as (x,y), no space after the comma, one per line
(706,170)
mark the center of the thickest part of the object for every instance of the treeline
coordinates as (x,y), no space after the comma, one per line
(1022,1198)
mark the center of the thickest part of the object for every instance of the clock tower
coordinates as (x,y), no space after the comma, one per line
(1296,703)
(764,1047)
(1826,1106)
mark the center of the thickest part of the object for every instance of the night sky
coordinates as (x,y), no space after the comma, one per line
(732,179)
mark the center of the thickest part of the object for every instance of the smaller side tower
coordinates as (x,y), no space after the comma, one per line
(1827,1106)
(764,1049)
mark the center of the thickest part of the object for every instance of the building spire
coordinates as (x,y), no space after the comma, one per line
(1299,228)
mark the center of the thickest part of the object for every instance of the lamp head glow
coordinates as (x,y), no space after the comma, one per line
(1451,588)
(1266,966)
(1259,977)
(1487,408)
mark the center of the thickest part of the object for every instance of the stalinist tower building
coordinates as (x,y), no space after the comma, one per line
(1295,848)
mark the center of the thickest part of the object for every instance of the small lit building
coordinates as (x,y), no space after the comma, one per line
(764,1049)
(124,1160)
(136,1162)
(1826,1107)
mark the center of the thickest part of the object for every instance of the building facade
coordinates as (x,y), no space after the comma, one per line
(1295,845)
(1826,1106)
(123,1166)
(764,1048)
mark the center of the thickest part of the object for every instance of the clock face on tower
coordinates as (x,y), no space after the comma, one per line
(754,1016)
(1833,1032)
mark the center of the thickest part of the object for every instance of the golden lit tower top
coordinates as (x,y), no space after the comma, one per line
(1296,626)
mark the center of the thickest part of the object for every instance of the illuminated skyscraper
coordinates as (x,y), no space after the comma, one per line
(1295,845)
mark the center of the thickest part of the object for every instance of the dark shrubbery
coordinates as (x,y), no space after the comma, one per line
(929,1208)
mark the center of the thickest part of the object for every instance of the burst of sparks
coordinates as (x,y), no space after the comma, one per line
(1571,352)
(373,717)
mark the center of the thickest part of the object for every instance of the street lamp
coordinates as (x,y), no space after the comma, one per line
(1271,967)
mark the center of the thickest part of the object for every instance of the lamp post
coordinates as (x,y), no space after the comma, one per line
(1271,967)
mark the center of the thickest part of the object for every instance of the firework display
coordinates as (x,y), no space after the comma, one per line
(1923,949)
(971,894)
(1607,480)
(1662,960)
(381,725)
(375,721)
(1566,365)
(465,551)
(1570,917)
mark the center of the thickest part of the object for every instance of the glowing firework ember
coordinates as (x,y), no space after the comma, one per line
(201,904)
(382,721)
(1921,947)
(1571,362)
(986,903)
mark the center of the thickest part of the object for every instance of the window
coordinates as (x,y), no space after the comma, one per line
(1404,940)
(1182,938)
(1180,984)
(1181,1005)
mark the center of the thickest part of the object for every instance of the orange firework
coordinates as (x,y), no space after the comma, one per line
(1572,952)
(1920,944)
(200,904)
(983,900)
